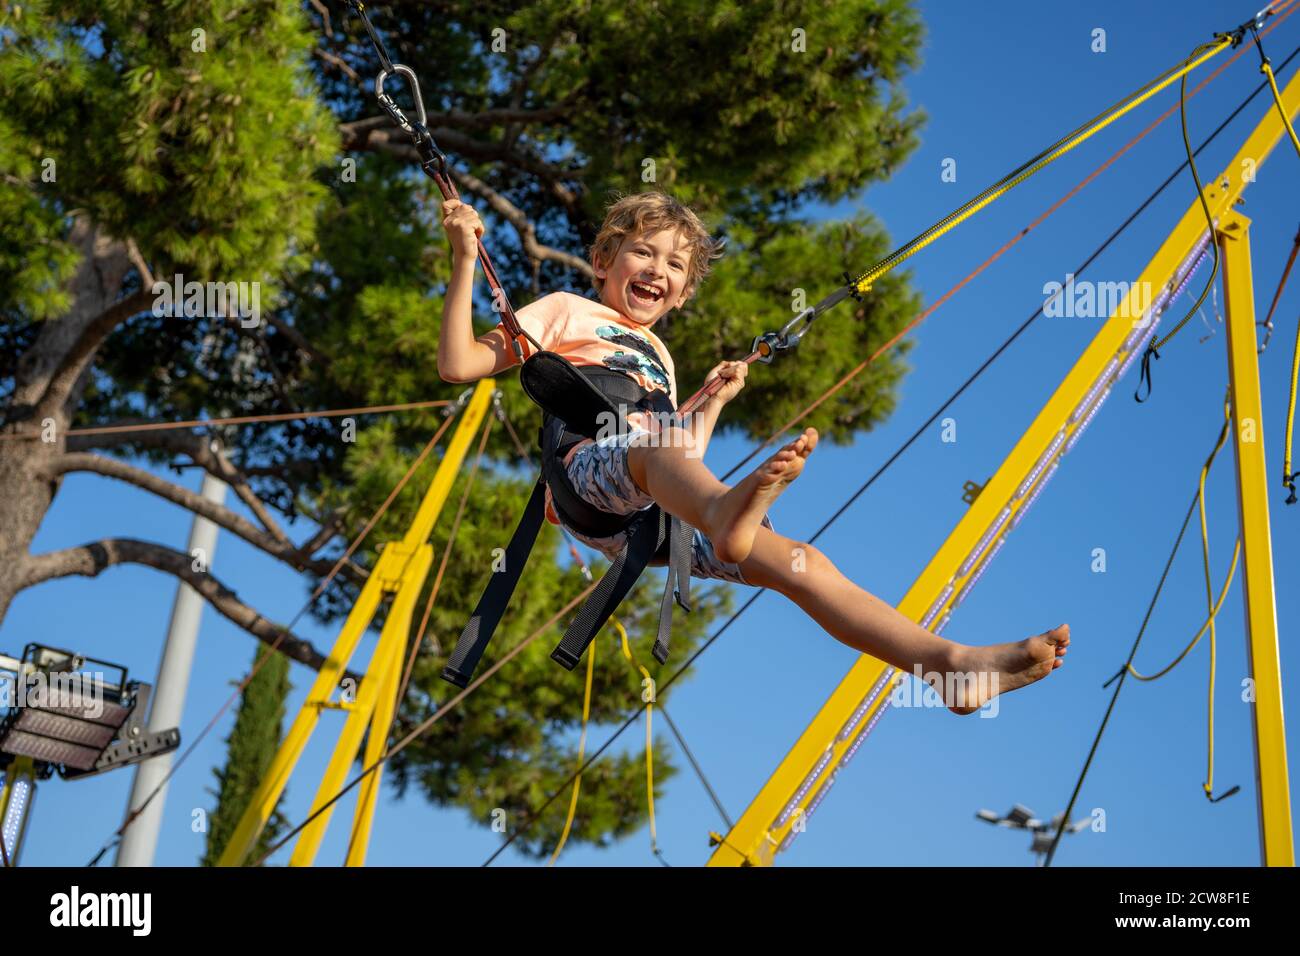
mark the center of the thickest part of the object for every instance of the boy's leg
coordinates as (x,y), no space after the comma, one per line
(864,622)
(668,470)
(730,517)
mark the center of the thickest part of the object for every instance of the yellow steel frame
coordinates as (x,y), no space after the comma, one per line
(782,807)
(400,572)
(1272,790)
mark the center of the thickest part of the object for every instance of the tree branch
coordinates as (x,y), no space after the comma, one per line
(297,338)
(191,501)
(328,529)
(89,560)
(142,267)
(338,62)
(527,231)
(378,134)
(193,446)
(70,365)
(325,17)
(47,373)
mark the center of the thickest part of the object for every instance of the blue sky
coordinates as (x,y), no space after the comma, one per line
(999,81)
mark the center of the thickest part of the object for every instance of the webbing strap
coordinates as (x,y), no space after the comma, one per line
(680,539)
(643,540)
(473,641)
(649,532)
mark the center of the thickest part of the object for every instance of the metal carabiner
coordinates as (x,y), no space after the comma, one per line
(459,403)
(790,338)
(388,103)
(769,343)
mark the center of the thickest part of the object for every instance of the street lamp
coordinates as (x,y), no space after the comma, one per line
(1022,818)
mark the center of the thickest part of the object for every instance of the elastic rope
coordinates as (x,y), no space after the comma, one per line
(238,420)
(1214,610)
(1277,293)
(1288,476)
(374,36)
(1213,605)
(1266,67)
(649,736)
(582,749)
(1153,346)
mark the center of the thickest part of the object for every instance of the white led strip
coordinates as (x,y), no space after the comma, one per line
(937,606)
(1042,463)
(983,543)
(804,787)
(863,707)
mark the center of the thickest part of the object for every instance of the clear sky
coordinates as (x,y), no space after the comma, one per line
(999,81)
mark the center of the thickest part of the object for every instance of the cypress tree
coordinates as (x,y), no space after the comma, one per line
(249,751)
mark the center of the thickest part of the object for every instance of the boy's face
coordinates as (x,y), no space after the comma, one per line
(647,277)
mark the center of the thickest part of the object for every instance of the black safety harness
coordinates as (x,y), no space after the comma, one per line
(571,414)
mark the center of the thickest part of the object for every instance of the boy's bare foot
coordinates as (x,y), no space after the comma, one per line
(999,668)
(735,517)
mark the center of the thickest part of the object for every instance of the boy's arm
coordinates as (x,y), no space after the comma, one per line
(461,356)
(699,423)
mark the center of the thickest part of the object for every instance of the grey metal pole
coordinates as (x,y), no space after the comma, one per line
(141,838)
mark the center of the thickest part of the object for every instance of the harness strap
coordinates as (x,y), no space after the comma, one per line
(473,640)
(680,539)
(644,537)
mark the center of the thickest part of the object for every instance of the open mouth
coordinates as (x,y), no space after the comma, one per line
(645,293)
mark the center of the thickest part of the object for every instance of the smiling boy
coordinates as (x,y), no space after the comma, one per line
(649,258)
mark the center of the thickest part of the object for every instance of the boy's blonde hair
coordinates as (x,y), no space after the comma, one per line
(649,212)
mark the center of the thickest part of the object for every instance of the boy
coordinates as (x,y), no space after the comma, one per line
(649,258)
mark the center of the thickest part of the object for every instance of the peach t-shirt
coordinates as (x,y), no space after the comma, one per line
(587,332)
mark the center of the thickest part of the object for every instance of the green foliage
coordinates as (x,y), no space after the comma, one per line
(190,126)
(229,164)
(249,750)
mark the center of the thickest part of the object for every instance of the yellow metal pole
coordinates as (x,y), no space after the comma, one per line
(392,639)
(784,804)
(262,804)
(381,723)
(386,577)
(1272,788)
(436,496)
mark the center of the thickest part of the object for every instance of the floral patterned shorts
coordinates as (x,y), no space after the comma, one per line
(600,475)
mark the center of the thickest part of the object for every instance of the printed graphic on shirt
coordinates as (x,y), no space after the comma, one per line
(646,361)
